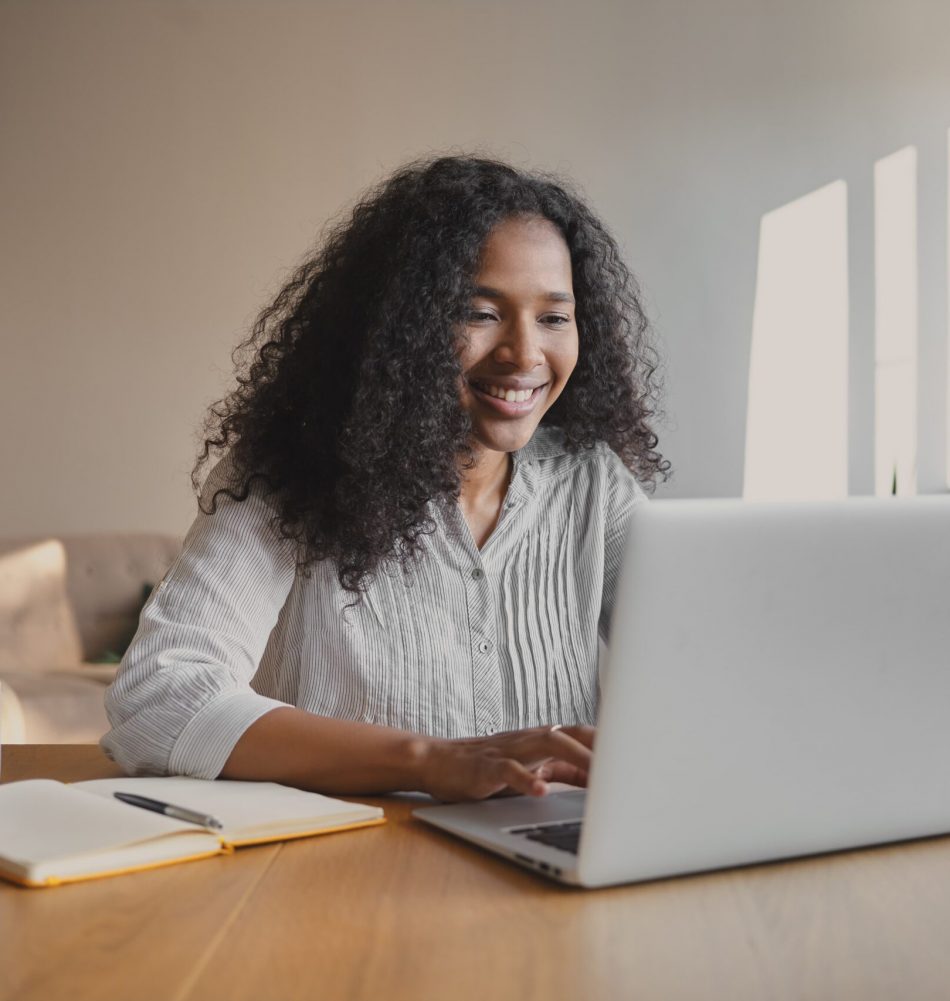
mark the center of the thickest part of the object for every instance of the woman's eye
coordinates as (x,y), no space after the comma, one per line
(480,316)
(555,319)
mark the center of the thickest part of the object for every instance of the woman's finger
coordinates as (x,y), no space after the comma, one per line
(582,734)
(561,771)
(519,777)
(560,745)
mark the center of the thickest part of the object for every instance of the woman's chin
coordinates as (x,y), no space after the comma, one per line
(509,439)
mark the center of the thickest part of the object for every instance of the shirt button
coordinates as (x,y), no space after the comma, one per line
(477,573)
(484,646)
(490,731)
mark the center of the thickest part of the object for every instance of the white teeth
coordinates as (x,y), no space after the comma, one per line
(509,395)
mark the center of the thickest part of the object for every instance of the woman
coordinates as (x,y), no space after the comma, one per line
(405,559)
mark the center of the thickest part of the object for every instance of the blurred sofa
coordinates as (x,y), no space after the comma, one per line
(68,606)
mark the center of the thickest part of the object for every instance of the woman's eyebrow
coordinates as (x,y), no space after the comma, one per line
(487,292)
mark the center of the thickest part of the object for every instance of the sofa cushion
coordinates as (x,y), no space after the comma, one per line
(37,627)
(105,577)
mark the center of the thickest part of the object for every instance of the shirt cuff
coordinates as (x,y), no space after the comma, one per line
(203,747)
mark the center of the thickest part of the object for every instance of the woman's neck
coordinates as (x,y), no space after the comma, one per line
(483,491)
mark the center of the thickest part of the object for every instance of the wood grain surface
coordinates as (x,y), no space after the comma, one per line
(404,912)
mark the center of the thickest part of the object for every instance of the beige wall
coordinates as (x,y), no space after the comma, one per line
(164,163)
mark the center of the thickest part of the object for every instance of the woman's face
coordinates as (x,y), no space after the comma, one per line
(520,344)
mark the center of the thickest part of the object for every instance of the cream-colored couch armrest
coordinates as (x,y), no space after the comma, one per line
(12,722)
(104,673)
(58,706)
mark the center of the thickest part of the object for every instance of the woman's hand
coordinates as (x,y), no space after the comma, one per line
(521,761)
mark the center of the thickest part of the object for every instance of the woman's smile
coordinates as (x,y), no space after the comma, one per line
(507,400)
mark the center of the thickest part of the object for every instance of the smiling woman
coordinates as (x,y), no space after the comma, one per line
(407,553)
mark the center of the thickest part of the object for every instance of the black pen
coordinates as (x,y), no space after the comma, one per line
(177,812)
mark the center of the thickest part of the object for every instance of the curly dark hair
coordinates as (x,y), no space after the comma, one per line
(347,404)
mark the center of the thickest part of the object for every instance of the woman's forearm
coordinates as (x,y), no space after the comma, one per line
(297,748)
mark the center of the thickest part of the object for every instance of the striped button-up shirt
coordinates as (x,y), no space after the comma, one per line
(469,641)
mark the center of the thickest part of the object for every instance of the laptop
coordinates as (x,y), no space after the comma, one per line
(777,685)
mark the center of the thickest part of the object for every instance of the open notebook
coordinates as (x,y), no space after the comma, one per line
(53,833)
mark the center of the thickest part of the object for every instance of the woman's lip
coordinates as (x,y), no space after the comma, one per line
(510,409)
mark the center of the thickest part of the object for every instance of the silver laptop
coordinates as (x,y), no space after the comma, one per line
(778,684)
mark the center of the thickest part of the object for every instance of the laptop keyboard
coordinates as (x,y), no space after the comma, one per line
(563,836)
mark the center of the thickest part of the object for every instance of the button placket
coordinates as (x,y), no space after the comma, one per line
(486,677)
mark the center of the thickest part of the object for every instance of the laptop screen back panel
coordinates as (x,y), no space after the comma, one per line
(778,684)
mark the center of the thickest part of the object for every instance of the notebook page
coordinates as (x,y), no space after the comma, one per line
(242,807)
(41,819)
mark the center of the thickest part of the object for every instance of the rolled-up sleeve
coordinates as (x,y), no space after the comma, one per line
(182,696)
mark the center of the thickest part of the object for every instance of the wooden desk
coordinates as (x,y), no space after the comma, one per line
(403,912)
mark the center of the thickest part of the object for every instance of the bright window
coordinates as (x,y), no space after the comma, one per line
(797,419)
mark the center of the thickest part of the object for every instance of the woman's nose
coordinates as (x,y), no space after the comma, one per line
(521,345)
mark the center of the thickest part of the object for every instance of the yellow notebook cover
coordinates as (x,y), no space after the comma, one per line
(53,833)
